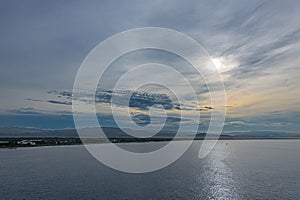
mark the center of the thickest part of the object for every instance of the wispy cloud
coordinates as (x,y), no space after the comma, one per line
(256,43)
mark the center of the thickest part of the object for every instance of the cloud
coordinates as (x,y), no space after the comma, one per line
(236,123)
(141,119)
(37,112)
(60,102)
(67,94)
(258,42)
(140,100)
(26,111)
(34,100)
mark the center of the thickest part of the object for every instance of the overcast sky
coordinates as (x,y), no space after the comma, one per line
(254,44)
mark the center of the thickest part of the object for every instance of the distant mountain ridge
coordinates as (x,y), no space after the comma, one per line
(23,132)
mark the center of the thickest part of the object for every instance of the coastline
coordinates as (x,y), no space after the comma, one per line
(10,143)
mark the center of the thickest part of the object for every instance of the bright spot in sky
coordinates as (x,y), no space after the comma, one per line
(218,64)
(223,64)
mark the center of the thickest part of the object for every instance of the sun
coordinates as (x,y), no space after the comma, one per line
(218,63)
(224,64)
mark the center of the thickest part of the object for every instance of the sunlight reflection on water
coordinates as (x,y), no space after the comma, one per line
(217,177)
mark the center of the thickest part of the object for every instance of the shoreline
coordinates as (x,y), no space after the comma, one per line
(11,143)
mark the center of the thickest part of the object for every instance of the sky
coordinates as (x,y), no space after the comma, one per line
(255,46)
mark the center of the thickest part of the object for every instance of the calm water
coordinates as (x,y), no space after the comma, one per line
(238,170)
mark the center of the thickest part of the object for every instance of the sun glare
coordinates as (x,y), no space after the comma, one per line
(217,62)
(224,64)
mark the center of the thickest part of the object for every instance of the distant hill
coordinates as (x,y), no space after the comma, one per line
(20,132)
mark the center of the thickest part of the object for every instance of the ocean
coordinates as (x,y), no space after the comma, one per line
(235,169)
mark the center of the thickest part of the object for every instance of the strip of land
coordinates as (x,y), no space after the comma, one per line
(36,142)
(12,137)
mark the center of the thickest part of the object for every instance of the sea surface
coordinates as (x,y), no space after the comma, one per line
(236,169)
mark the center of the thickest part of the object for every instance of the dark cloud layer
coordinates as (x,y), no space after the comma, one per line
(140,100)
